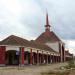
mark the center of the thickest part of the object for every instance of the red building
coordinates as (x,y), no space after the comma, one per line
(68,55)
(50,39)
(46,49)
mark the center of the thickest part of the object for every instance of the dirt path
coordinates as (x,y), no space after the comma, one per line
(72,72)
(29,70)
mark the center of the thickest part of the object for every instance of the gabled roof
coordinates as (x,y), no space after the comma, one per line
(47,37)
(68,53)
(15,40)
(18,41)
(41,46)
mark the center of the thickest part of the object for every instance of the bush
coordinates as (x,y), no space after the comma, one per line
(56,73)
(71,64)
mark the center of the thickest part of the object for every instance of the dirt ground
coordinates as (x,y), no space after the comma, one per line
(72,72)
(29,70)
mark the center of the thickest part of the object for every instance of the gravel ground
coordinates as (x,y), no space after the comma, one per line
(72,72)
(29,70)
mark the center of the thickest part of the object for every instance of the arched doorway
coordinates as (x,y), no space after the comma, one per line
(12,57)
(34,58)
(27,57)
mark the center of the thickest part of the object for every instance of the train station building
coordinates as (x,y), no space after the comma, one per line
(45,49)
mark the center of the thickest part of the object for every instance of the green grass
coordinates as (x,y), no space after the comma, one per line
(70,65)
(56,73)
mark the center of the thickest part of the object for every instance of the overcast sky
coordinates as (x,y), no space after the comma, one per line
(26,18)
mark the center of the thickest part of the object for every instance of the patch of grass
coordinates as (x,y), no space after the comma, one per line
(56,73)
(70,65)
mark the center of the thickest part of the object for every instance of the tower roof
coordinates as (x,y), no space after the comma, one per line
(15,40)
(47,37)
(47,20)
(18,41)
(47,26)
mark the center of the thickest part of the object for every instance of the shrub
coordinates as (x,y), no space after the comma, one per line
(56,73)
(71,64)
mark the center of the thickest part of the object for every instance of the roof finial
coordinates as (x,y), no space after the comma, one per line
(47,21)
(47,26)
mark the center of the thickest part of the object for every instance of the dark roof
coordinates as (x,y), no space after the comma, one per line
(18,41)
(41,46)
(68,53)
(15,40)
(47,37)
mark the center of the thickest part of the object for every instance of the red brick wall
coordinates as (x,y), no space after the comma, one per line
(2,54)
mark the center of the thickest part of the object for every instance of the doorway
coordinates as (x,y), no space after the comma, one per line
(12,57)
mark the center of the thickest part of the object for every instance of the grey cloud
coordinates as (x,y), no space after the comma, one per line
(32,20)
(27,18)
(62,17)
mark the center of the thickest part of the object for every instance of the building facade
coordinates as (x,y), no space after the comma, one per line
(45,49)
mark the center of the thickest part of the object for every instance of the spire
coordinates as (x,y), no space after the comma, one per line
(47,26)
(47,21)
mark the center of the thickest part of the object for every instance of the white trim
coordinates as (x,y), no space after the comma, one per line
(52,54)
(13,45)
(67,56)
(44,52)
(12,48)
(40,51)
(34,50)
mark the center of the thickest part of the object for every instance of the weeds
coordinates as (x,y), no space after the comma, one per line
(70,65)
(55,73)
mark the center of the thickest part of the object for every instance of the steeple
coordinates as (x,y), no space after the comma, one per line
(47,26)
